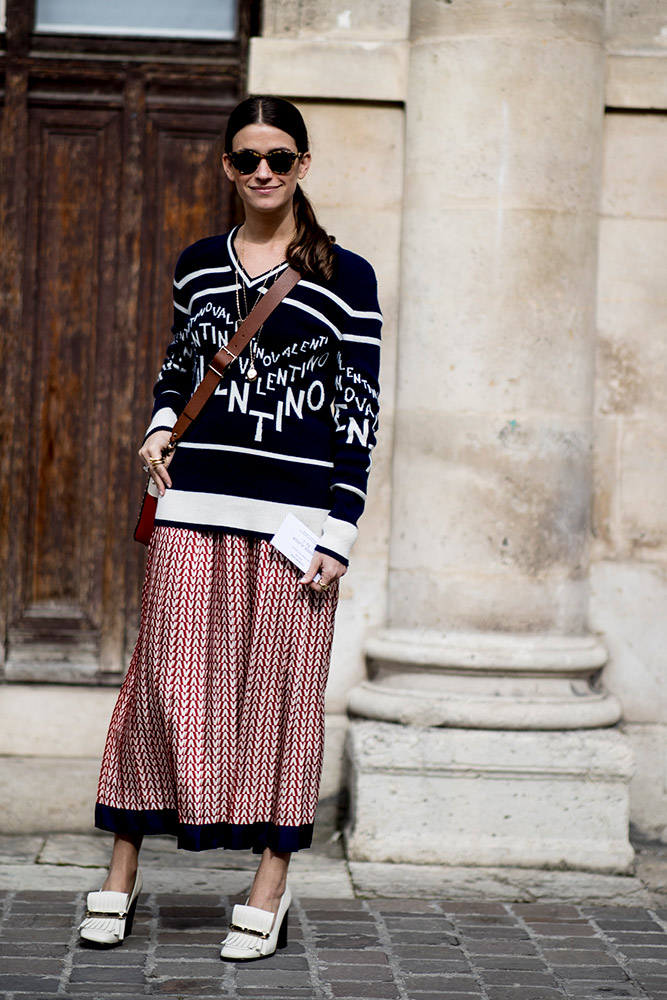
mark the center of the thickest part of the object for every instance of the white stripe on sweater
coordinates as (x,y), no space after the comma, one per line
(357,313)
(210,291)
(327,322)
(197,274)
(352,489)
(313,312)
(255,451)
(362,340)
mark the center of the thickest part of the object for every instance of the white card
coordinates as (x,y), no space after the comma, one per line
(296,541)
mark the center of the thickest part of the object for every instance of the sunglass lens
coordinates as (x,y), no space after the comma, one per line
(245,161)
(280,161)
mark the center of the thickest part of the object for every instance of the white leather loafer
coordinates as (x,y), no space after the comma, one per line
(255,933)
(109,915)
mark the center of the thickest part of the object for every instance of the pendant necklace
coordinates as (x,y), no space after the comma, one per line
(252,372)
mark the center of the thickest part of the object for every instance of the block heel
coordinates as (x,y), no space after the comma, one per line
(282,933)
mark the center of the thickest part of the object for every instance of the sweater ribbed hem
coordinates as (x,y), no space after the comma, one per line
(220,511)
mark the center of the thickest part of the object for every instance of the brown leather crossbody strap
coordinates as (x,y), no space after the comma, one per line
(247,330)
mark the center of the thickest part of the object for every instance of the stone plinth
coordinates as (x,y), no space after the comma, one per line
(485,680)
(475,797)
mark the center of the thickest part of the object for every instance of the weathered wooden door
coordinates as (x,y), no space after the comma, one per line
(110,166)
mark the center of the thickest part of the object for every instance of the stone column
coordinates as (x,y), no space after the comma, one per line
(485,745)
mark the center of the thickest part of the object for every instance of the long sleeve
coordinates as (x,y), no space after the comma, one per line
(356,403)
(174,384)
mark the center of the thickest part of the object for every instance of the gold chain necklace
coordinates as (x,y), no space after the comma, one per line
(252,372)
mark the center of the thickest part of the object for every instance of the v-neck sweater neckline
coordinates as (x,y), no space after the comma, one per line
(240,269)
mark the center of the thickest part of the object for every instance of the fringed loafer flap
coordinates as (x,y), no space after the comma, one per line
(107,904)
(249,927)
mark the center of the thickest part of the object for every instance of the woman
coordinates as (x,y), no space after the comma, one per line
(217,734)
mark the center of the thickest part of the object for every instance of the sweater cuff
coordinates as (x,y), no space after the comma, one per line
(337,539)
(163,420)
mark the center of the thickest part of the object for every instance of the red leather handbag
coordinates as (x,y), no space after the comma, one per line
(146,519)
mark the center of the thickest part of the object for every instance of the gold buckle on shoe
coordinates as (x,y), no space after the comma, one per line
(105,913)
(249,930)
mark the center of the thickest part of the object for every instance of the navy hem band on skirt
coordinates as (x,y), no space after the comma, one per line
(233,836)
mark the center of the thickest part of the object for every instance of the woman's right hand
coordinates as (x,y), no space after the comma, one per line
(152,449)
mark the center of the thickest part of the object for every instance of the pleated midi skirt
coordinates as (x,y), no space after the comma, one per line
(218,732)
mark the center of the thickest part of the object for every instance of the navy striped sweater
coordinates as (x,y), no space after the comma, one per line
(298,439)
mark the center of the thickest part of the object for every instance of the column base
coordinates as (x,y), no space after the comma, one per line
(486,680)
(489,798)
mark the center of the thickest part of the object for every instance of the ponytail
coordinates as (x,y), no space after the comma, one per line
(311,250)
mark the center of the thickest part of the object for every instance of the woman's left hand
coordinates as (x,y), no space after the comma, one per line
(330,569)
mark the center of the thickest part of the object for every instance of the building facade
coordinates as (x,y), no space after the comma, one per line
(499,644)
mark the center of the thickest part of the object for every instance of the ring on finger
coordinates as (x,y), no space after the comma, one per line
(146,468)
(156,461)
(324,586)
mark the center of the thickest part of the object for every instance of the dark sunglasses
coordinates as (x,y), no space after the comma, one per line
(280,161)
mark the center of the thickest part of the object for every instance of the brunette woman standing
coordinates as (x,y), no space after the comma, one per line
(217,735)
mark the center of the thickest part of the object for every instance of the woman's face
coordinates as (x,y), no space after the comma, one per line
(264,190)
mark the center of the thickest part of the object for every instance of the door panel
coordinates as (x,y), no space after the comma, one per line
(69,279)
(72,210)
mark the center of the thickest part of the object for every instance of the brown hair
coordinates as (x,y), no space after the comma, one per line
(311,250)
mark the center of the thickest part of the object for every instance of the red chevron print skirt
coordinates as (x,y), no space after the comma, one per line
(218,731)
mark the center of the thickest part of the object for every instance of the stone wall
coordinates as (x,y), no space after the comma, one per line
(629,570)
(636,26)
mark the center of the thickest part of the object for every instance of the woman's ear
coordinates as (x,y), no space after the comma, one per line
(304,166)
(227,167)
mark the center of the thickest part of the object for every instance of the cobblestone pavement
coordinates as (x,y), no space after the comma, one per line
(389,949)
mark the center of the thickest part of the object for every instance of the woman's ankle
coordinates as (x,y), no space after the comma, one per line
(270,880)
(265,898)
(123,865)
(119,881)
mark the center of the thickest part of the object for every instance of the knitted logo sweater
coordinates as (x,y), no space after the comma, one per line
(298,439)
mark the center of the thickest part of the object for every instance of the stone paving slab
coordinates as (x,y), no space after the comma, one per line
(520,884)
(339,949)
(20,849)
